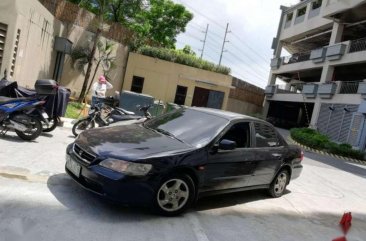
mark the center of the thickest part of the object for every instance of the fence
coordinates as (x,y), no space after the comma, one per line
(349,87)
(296,58)
(293,89)
(358,45)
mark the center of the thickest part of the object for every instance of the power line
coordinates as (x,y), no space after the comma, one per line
(263,70)
(253,73)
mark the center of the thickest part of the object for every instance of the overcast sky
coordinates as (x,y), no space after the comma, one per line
(253,24)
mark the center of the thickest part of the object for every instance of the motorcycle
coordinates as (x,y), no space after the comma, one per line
(53,98)
(18,114)
(112,115)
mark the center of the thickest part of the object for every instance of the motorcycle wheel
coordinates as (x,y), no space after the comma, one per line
(53,124)
(82,125)
(34,130)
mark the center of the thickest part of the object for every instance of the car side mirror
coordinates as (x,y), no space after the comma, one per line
(227,145)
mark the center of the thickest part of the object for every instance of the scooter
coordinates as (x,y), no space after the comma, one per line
(18,114)
(113,115)
(50,108)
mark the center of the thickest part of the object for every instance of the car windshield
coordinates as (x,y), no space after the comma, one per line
(194,127)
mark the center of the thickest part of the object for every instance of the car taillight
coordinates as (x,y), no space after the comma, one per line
(301,155)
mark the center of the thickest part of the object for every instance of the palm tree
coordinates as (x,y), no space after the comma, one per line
(80,58)
(100,9)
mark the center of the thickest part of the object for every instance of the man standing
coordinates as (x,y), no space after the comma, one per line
(99,90)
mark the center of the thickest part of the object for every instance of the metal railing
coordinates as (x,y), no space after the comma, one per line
(349,87)
(292,89)
(358,45)
(296,58)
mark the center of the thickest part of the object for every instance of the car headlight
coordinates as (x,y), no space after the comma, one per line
(128,168)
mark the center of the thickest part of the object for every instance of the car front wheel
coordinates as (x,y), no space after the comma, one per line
(278,186)
(174,195)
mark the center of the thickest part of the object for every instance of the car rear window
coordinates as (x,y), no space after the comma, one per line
(194,127)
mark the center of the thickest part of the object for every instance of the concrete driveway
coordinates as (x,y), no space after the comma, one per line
(38,201)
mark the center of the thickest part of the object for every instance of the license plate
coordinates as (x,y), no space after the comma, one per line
(44,114)
(73,166)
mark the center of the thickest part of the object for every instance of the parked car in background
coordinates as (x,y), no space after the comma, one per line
(171,160)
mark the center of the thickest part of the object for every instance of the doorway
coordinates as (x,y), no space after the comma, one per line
(207,98)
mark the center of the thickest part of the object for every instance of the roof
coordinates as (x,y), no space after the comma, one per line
(224,114)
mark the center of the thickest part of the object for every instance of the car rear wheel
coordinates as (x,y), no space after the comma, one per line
(174,195)
(278,186)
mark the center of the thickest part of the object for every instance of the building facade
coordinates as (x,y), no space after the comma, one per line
(37,37)
(184,85)
(322,83)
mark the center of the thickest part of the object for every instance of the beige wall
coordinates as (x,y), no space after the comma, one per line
(162,78)
(35,56)
(243,107)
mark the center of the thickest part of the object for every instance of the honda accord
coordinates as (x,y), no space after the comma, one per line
(170,161)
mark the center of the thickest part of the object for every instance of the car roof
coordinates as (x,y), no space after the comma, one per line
(224,114)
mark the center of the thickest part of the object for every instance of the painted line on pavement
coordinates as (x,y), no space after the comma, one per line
(197,228)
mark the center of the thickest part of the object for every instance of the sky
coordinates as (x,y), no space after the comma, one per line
(252,25)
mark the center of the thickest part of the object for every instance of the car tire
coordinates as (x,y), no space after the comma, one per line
(279,183)
(174,195)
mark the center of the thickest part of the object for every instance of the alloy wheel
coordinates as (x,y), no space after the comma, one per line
(280,183)
(173,195)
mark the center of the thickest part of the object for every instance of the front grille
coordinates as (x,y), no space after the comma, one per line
(83,155)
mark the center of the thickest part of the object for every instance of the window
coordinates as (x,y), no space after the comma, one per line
(180,95)
(265,136)
(301,12)
(137,84)
(240,133)
(316,4)
(289,17)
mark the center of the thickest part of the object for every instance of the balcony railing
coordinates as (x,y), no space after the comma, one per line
(358,45)
(349,87)
(296,58)
(292,89)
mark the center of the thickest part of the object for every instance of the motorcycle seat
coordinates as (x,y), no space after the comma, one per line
(4,100)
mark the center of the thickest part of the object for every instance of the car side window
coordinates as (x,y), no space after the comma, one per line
(265,136)
(240,133)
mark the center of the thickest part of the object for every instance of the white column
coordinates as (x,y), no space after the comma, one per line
(337,33)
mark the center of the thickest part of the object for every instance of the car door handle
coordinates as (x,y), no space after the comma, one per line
(277,155)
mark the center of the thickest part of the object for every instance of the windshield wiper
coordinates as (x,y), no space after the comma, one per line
(167,133)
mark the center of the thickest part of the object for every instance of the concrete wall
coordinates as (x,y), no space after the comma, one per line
(35,56)
(162,78)
(245,98)
(38,28)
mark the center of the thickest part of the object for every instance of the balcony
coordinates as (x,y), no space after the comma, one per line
(296,58)
(321,90)
(319,55)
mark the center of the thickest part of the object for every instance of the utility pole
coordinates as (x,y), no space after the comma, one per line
(225,41)
(204,41)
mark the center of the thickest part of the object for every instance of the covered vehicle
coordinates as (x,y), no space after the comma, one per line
(170,161)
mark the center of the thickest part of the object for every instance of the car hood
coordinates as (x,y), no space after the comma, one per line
(129,142)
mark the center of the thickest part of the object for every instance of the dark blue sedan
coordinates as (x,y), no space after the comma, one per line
(170,161)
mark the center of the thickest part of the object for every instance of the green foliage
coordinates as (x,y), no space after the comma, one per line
(160,22)
(314,139)
(181,58)
(73,110)
(187,50)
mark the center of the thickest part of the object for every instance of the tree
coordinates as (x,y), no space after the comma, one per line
(125,11)
(100,9)
(188,50)
(161,22)
(104,59)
